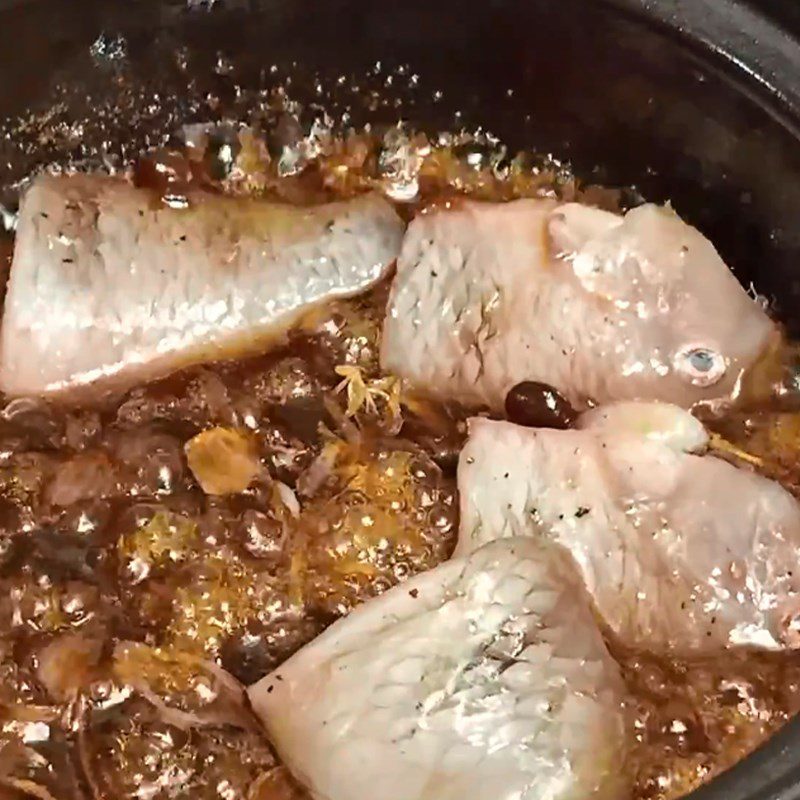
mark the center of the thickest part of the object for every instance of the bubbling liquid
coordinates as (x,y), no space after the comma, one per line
(125,587)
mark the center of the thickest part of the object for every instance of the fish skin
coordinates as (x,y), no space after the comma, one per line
(109,285)
(597,305)
(659,422)
(485,677)
(681,553)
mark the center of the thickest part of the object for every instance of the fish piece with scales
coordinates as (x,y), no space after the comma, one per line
(600,306)
(111,286)
(681,551)
(486,678)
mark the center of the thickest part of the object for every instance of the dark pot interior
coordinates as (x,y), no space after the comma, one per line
(694,101)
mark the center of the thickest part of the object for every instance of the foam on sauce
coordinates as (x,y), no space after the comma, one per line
(124,586)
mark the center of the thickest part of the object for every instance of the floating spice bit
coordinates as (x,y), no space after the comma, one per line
(768,440)
(223,460)
(723,448)
(363,395)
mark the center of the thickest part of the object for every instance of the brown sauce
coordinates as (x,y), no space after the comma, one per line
(122,582)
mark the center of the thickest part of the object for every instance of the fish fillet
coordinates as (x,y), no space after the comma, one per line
(108,284)
(599,306)
(681,552)
(485,678)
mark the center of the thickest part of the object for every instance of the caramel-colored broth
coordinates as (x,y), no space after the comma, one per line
(125,587)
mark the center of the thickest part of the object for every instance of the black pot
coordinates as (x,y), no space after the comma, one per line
(696,101)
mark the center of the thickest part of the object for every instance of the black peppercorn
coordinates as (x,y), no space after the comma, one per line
(538,405)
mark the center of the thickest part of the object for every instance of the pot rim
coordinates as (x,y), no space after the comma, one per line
(754,48)
(761,55)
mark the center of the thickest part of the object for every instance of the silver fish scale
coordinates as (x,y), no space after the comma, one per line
(599,306)
(680,552)
(484,678)
(105,283)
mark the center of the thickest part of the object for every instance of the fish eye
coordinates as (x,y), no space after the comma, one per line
(701,366)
